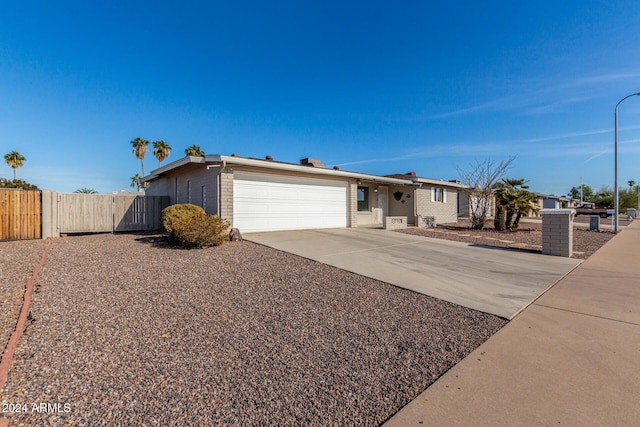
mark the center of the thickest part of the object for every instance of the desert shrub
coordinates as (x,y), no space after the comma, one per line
(177,212)
(199,231)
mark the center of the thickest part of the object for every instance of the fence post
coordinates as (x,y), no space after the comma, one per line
(50,226)
(46,213)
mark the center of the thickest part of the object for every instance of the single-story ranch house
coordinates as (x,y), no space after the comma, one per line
(267,195)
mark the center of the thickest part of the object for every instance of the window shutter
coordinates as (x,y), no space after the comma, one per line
(444,195)
(433,194)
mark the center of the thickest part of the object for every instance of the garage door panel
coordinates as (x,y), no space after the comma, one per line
(263,202)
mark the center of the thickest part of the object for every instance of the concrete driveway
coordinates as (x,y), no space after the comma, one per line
(493,280)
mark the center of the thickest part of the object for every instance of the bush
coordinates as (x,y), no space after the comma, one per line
(200,231)
(17,183)
(177,212)
(189,226)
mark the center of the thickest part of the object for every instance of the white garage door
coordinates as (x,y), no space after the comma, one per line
(263,202)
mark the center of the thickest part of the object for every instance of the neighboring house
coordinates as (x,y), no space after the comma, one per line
(266,195)
(551,201)
(465,205)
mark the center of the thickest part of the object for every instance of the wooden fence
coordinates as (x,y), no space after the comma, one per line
(19,214)
(33,214)
(94,213)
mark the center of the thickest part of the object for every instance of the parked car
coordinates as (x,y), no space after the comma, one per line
(591,209)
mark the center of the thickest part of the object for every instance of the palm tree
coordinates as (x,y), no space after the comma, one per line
(140,148)
(161,150)
(85,190)
(512,198)
(194,150)
(136,181)
(15,160)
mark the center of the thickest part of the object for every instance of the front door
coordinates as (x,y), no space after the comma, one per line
(383,201)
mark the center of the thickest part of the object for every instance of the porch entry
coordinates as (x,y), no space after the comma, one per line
(383,202)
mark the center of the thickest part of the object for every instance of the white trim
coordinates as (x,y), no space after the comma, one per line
(440,182)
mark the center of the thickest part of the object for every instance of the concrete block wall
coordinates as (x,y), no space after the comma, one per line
(225,210)
(395,222)
(557,231)
(352,207)
(444,212)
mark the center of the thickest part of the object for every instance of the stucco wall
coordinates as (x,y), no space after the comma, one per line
(193,184)
(374,214)
(405,205)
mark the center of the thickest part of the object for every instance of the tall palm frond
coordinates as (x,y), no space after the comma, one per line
(194,150)
(161,150)
(140,149)
(15,160)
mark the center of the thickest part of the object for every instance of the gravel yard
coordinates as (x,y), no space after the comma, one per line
(17,261)
(528,236)
(129,331)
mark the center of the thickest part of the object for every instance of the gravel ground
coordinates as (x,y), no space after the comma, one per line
(17,261)
(129,331)
(528,237)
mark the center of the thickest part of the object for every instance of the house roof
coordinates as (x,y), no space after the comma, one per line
(553,196)
(416,179)
(313,166)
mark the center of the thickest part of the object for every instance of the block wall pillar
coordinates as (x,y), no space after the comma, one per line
(557,231)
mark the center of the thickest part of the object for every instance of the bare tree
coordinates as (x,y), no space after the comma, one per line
(481,177)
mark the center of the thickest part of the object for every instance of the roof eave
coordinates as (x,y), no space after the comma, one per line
(440,182)
(231,160)
(173,165)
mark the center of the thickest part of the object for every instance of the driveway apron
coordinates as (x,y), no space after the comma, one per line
(492,280)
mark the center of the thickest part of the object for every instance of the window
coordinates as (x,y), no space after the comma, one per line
(188,191)
(438,195)
(363,199)
(203,195)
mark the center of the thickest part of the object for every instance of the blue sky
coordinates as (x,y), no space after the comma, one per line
(379,87)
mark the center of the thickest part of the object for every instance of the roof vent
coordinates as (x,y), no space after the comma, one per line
(336,168)
(310,161)
(269,158)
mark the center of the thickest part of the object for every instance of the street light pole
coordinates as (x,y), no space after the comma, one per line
(615,190)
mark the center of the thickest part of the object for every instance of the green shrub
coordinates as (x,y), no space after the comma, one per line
(177,212)
(199,231)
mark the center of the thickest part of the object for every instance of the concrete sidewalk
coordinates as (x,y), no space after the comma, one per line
(570,358)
